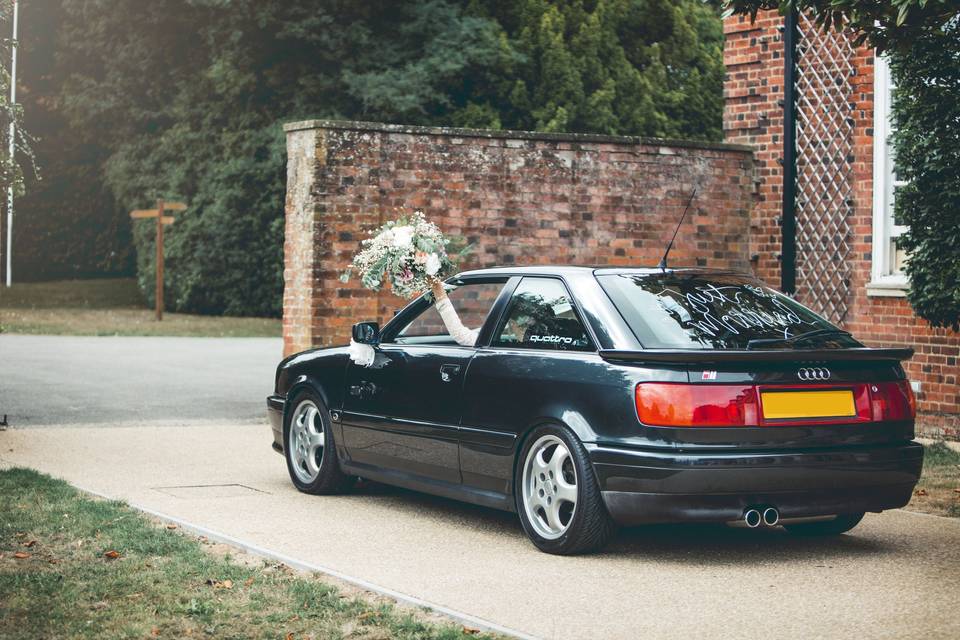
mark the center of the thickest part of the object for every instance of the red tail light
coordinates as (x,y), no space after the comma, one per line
(674,404)
(668,404)
(892,401)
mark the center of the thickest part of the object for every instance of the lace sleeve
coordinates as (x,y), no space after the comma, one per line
(461,334)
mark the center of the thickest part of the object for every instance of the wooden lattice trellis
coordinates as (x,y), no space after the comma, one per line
(824,157)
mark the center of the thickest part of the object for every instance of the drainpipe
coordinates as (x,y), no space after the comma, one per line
(788,216)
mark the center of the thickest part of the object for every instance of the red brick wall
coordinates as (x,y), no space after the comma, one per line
(753,54)
(752,115)
(522,198)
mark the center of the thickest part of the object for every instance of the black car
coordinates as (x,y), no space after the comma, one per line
(603,396)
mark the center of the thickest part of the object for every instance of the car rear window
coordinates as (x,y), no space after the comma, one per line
(673,310)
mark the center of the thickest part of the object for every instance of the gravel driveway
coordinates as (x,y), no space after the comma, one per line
(896,575)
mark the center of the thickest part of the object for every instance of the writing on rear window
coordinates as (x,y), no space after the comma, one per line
(733,308)
(696,310)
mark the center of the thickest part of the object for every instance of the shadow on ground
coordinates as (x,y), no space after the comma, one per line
(689,544)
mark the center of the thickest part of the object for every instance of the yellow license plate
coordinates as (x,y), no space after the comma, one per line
(779,405)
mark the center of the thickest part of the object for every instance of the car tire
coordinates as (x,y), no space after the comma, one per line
(542,482)
(309,447)
(841,524)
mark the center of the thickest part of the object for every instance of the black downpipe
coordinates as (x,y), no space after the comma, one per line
(788,216)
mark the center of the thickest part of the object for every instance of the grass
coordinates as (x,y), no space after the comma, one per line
(57,580)
(110,307)
(938,491)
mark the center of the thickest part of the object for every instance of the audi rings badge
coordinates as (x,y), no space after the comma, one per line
(814,374)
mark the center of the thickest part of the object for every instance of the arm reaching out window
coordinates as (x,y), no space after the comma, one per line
(462,335)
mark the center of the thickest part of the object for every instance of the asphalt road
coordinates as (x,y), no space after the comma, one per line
(894,576)
(66,380)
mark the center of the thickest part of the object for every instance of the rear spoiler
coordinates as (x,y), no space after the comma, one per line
(719,356)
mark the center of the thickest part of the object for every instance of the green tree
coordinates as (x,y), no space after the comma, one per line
(67,225)
(926,122)
(188,96)
(630,67)
(11,169)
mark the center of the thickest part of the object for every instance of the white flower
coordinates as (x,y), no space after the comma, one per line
(432,265)
(402,236)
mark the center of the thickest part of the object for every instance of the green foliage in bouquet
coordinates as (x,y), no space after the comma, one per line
(408,253)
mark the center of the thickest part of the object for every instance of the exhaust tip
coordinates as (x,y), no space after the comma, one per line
(752,517)
(771,517)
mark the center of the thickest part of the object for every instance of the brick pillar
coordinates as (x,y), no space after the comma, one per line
(753,115)
(304,159)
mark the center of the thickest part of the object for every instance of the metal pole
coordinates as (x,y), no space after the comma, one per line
(12,146)
(788,219)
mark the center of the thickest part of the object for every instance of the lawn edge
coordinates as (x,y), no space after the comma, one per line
(215,536)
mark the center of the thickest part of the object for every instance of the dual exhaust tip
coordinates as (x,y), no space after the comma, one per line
(755,516)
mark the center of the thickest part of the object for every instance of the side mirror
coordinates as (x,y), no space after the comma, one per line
(366,333)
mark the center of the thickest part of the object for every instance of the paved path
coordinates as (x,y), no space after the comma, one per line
(895,576)
(66,380)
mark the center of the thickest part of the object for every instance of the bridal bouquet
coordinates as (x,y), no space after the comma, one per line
(413,256)
(410,253)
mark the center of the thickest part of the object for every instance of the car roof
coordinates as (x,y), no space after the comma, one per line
(563,270)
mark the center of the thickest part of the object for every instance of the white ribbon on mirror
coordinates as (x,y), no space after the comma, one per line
(362,354)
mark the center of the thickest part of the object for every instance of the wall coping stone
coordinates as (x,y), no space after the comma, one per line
(355,125)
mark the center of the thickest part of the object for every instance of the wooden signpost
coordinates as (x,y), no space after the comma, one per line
(162,221)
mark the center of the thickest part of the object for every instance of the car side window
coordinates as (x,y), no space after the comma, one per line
(472,301)
(541,315)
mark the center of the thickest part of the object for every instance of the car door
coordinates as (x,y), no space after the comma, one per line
(539,358)
(403,412)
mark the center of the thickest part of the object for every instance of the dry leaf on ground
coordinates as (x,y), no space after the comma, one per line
(21,555)
(111,555)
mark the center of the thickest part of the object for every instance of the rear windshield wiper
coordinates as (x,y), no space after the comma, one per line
(756,342)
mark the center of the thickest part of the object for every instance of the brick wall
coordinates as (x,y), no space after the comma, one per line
(753,115)
(522,198)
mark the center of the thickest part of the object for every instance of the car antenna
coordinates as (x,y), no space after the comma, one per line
(663,260)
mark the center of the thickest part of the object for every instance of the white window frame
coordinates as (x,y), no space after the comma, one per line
(884,281)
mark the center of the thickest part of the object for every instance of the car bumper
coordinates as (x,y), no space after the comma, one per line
(641,487)
(275,413)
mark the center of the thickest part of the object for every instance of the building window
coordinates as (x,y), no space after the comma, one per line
(887,277)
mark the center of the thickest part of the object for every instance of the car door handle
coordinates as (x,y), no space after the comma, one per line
(449,371)
(363,390)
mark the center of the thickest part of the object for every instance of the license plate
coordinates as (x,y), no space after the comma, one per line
(780,405)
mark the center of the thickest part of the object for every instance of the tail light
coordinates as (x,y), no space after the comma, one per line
(668,404)
(892,401)
(672,404)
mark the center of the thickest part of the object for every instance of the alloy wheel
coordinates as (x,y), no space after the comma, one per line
(306,441)
(549,487)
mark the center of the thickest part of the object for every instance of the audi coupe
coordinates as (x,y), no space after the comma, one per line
(602,396)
